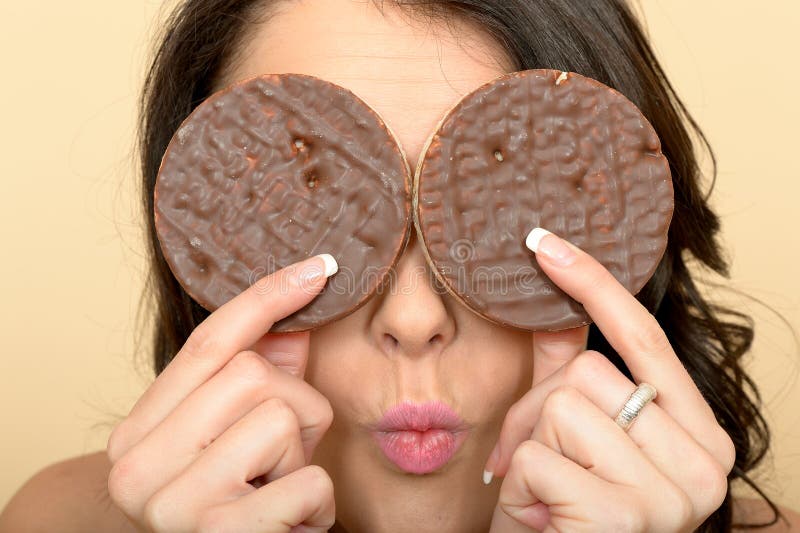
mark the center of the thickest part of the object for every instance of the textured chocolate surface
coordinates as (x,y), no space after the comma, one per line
(538,148)
(275,169)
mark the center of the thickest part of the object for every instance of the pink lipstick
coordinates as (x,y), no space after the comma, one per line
(420,438)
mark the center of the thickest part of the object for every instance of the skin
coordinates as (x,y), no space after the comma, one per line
(237,403)
(411,73)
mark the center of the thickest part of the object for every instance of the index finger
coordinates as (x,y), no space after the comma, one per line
(553,349)
(627,325)
(233,327)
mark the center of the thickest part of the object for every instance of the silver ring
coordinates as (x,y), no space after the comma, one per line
(644,394)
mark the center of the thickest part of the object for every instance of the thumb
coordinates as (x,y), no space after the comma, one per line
(551,350)
(288,351)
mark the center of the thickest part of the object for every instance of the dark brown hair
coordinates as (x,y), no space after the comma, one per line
(601,39)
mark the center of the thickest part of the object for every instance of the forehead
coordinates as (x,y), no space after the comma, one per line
(409,70)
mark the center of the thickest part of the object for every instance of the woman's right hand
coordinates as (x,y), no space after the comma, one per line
(231,407)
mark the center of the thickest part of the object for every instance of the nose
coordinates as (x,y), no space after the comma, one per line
(412,317)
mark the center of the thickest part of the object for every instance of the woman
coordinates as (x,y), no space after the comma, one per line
(248,432)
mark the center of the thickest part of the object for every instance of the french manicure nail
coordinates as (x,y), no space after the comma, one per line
(329,269)
(553,247)
(491,464)
(331,266)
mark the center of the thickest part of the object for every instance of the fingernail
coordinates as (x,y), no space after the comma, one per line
(488,474)
(552,247)
(331,266)
(311,273)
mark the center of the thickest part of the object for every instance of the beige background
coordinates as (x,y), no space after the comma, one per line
(70,281)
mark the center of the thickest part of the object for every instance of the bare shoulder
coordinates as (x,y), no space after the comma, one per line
(68,496)
(756,511)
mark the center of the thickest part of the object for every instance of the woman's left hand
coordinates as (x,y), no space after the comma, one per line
(568,466)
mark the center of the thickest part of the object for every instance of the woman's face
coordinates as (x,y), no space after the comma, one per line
(410,343)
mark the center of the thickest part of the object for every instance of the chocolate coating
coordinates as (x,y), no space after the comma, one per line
(528,149)
(275,169)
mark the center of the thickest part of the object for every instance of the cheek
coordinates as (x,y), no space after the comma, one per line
(500,371)
(338,368)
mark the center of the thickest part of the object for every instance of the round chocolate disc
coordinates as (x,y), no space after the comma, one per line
(540,148)
(275,169)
